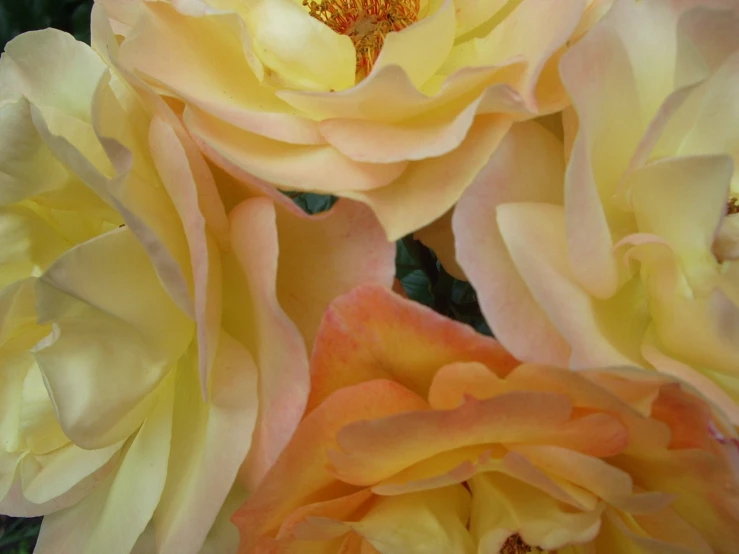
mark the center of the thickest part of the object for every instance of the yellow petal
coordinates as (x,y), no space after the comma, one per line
(535,237)
(429,521)
(533,32)
(243,102)
(174,170)
(421,48)
(296,167)
(665,204)
(29,244)
(112,517)
(209,444)
(51,68)
(365,140)
(27,167)
(430,187)
(117,335)
(502,506)
(302,51)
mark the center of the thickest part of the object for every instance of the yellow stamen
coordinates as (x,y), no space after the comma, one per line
(366,22)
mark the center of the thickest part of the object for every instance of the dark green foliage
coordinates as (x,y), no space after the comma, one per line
(313,203)
(425,280)
(18,535)
(19,16)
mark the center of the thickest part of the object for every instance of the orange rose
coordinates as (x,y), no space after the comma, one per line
(422,436)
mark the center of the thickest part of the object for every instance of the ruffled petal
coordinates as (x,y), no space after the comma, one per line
(380,335)
(110,349)
(112,517)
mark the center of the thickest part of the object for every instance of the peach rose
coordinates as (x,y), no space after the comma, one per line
(423,436)
(396,104)
(618,245)
(153,341)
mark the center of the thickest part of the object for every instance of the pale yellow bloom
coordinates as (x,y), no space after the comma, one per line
(153,343)
(395,103)
(618,244)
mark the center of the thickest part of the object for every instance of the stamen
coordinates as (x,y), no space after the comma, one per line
(366,22)
(515,545)
(733,206)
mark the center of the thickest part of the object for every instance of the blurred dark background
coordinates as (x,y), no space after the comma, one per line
(19,16)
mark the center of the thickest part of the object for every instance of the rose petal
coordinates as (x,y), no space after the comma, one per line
(128,495)
(209,443)
(110,350)
(430,187)
(254,317)
(527,166)
(325,256)
(377,335)
(300,474)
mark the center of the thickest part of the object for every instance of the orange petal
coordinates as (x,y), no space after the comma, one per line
(375,450)
(454,382)
(300,476)
(372,333)
(584,390)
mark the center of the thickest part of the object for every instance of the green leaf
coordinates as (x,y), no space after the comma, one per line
(418,287)
(313,203)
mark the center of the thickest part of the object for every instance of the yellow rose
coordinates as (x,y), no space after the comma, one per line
(422,436)
(395,104)
(626,253)
(44,210)
(154,342)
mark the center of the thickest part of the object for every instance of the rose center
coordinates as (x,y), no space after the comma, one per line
(366,22)
(515,545)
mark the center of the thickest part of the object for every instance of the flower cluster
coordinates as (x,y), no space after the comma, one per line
(190,363)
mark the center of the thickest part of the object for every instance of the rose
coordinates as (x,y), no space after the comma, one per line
(423,436)
(627,253)
(44,210)
(171,353)
(290,100)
